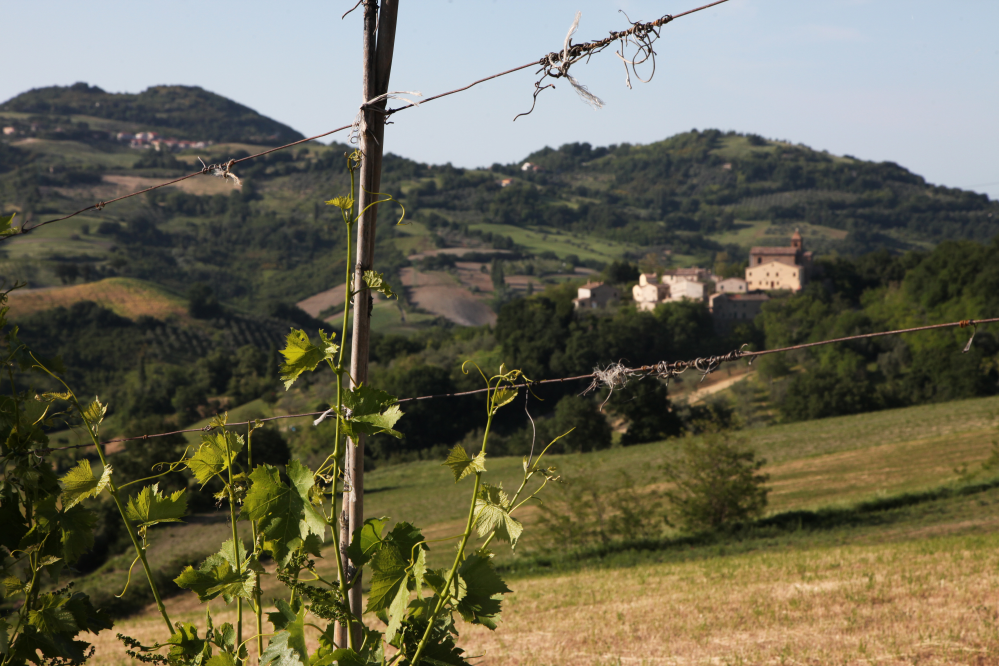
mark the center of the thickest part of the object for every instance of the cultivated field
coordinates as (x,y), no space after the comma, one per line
(914,581)
(127,297)
(440,294)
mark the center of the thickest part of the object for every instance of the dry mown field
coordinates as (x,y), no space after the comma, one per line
(932,600)
(124,296)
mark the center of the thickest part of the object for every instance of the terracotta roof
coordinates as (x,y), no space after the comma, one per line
(774,250)
(750,297)
(592,285)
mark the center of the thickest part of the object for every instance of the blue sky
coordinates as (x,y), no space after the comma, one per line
(913,82)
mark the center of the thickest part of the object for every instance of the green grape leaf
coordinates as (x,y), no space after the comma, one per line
(437,578)
(75,527)
(372,411)
(187,647)
(374,424)
(286,513)
(330,348)
(51,616)
(366,539)
(150,507)
(80,483)
(440,649)
(212,458)
(94,414)
(390,563)
(461,465)
(284,649)
(346,204)
(301,355)
(483,591)
(219,575)
(503,396)
(87,617)
(225,636)
(376,282)
(362,400)
(222,659)
(12,586)
(419,571)
(7,228)
(388,574)
(347,657)
(492,512)
(396,612)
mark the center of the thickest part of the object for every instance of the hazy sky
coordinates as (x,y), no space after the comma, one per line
(910,81)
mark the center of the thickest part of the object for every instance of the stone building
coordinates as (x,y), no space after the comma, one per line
(594,295)
(772,268)
(692,274)
(687,290)
(731,286)
(649,292)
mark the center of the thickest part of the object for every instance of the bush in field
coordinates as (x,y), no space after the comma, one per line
(717,483)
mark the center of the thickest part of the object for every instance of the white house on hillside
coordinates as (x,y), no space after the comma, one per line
(731,286)
(686,290)
(649,293)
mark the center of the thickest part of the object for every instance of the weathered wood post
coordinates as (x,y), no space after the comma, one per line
(379,45)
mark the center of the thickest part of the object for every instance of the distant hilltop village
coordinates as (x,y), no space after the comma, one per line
(139,140)
(730,300)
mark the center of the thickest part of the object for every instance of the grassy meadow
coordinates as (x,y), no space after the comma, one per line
(900,579)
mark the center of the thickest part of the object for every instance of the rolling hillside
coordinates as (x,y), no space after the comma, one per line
(188,112)
(699,197)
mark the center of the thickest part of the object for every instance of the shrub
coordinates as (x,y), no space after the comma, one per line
(717,483)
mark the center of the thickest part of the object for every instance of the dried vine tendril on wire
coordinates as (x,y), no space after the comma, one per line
(556,64)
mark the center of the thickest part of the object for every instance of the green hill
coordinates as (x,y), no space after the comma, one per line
(189,112)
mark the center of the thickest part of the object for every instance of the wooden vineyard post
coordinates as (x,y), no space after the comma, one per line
(379,45)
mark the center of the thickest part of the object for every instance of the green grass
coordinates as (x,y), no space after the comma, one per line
(562,244)
(386,319)
(738,147)
(78,153)
(836,462)
(256,409)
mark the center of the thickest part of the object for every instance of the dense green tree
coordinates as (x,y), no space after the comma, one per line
(646,406)
(717,483)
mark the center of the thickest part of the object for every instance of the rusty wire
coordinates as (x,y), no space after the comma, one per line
(642,36)
(665,370)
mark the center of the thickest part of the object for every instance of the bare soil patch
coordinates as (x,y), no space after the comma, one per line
(325,299)
(439,293)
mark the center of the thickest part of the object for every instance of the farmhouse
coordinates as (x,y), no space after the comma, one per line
(731,286)
(772,268)
(594,295)
(649,292)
